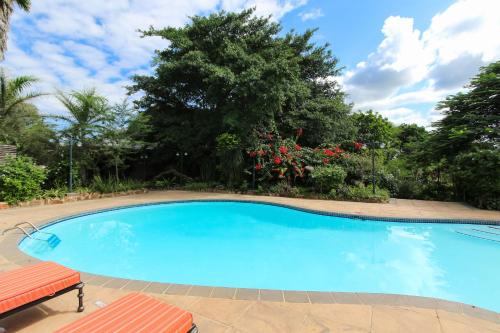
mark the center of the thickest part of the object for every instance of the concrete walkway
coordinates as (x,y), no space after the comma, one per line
(229,313)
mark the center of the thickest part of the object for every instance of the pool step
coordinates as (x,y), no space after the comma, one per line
(489,233)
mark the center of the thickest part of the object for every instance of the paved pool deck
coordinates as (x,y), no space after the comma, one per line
(253,310)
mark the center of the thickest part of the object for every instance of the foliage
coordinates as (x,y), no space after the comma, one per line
(372,127)
(111,185)
(20,179)
(228,149)
(471,118)
(163,183)
(199,186)
(328,177)
(6,9)
(57,192)
(277,158)
(235,73)
(477,175)
(122,135)
(360,193)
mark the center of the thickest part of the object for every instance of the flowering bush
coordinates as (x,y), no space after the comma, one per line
(279,158)
(285,159)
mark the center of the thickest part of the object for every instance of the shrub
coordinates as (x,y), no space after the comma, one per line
(282,188)
(110,185)
(20,179)
(360,193)
(388,181)
(230,158)
(199,186)
(163,183)
(52,193)
(329,177)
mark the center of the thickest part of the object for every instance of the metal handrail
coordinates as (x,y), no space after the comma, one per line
(18,226)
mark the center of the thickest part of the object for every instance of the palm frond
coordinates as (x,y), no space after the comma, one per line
(23,4)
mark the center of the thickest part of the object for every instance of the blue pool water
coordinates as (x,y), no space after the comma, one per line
(246,245)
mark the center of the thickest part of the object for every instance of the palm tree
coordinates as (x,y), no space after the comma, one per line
(12,93)
(6,9)
(87,113)
(86,119)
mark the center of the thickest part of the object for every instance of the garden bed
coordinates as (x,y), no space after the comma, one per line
(72,198)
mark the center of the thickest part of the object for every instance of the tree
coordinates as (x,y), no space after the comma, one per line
(471,119)
(13,95)
(373,130)
(87,115)
(6,9)
(373,127)
(123,135)
(233,73)
(466,141)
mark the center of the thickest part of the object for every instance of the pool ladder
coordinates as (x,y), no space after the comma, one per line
(52,237)
(490,233)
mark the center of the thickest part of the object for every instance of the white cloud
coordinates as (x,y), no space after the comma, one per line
(311,14)
(410,67)
(74,44)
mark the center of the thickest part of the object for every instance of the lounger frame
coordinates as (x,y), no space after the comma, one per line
(79,286)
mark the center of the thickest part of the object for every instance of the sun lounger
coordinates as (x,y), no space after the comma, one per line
(31,285)
(134,313)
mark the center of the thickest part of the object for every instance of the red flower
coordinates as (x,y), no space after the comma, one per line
(277,160)
(328,152)
(261,153)
(258,167)
(299,132)
(358,145)
(326,161)
(297,147)
(338,150)
(252,153)
(283,150)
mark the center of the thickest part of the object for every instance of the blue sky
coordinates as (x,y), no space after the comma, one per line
(400,57)
(353,27)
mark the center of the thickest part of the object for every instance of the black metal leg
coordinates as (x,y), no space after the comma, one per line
(80,297)
(193,329)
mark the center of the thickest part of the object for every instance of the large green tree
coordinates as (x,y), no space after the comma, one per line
(6,9)
(471,118)
(234,73)
(467,140)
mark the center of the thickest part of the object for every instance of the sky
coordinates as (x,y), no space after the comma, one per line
(400,57)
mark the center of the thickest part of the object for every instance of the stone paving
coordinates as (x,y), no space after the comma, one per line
(251,310)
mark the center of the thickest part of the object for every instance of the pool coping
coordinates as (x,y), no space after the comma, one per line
(9,248)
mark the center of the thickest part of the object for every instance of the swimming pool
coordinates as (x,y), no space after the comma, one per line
(250,245)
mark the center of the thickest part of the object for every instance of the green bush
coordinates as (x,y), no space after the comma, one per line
(360,193)
(328,177)
(110,185)
(52,193)
(477,175)
(284,189)
(20,179)
(163,183)
(199,186)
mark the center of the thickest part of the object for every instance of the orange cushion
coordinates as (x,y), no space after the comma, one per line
(134,313)
(27,284)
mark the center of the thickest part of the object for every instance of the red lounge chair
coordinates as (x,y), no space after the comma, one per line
(134,313)
(31,285)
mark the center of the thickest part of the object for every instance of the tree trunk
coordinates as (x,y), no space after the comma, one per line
(5,13)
